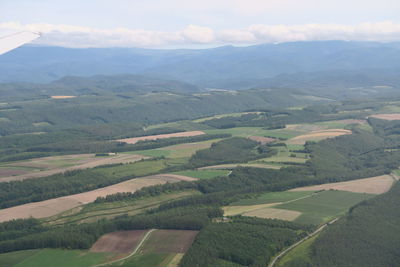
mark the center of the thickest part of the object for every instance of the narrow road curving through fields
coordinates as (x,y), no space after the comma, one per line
(280,255)
(146,236)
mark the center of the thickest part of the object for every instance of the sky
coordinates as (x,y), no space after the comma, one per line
(199,23)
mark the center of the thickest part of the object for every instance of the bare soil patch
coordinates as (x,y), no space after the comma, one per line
(134,140)
(118,242)
(62,96)
(55,206)
(261,139)
(318,135)
(389,117)
(169,241)
(373,185)
(271,213)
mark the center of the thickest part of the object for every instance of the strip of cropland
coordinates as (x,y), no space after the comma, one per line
(54,206)
(47,166)
(134,140)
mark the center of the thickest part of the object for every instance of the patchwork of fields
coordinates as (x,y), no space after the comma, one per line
(41,167)
(307,205)
(55,206)
(312,205)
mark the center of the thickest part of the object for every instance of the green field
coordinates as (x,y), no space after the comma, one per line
(301,253)
(285,155)
(324,206)
(256,131)
(185,150)
(272,197)
(96,211)
(52,257)
(146,260)
(204,174)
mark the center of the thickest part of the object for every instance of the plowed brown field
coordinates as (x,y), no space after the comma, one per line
(169,241)
(118,242)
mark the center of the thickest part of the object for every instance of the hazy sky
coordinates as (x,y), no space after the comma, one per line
(190,23)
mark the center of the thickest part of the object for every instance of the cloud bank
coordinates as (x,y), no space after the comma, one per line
(79,36)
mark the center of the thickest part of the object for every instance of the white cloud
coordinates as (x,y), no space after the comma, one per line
(78,36)
(197,34)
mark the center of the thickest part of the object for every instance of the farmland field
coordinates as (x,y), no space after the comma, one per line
(317,136)
(57,205)
(373,185)
(168,241)
(389,117)
(161,248)
(308,207)
(95,211)
(272,213)
(55,257)
(257,164)
(177,151)
(204,174)
(47,166)
(257,131)
(273,197)
(122,242)
(134,140)
(324,206)
(299,253)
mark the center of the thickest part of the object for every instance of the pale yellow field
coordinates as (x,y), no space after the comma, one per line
(62,96)
(134,140)
(317,136)
(272,213)
(54,206)
(262,211)
(373,185)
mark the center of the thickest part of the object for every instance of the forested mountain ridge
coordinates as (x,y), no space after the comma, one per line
(217,67)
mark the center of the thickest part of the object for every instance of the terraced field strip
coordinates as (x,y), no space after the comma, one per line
(55,206)
(134,140)
(78,162)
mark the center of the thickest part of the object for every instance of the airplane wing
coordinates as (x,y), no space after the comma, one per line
(10,42)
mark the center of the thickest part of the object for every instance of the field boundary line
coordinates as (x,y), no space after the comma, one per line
(280,255)
(130,255)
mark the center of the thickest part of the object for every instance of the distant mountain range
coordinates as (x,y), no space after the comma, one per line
(225,67)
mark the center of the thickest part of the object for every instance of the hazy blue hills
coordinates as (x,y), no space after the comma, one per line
(339,84)
(225,67)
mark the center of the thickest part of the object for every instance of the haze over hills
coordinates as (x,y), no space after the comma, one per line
(225,67)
